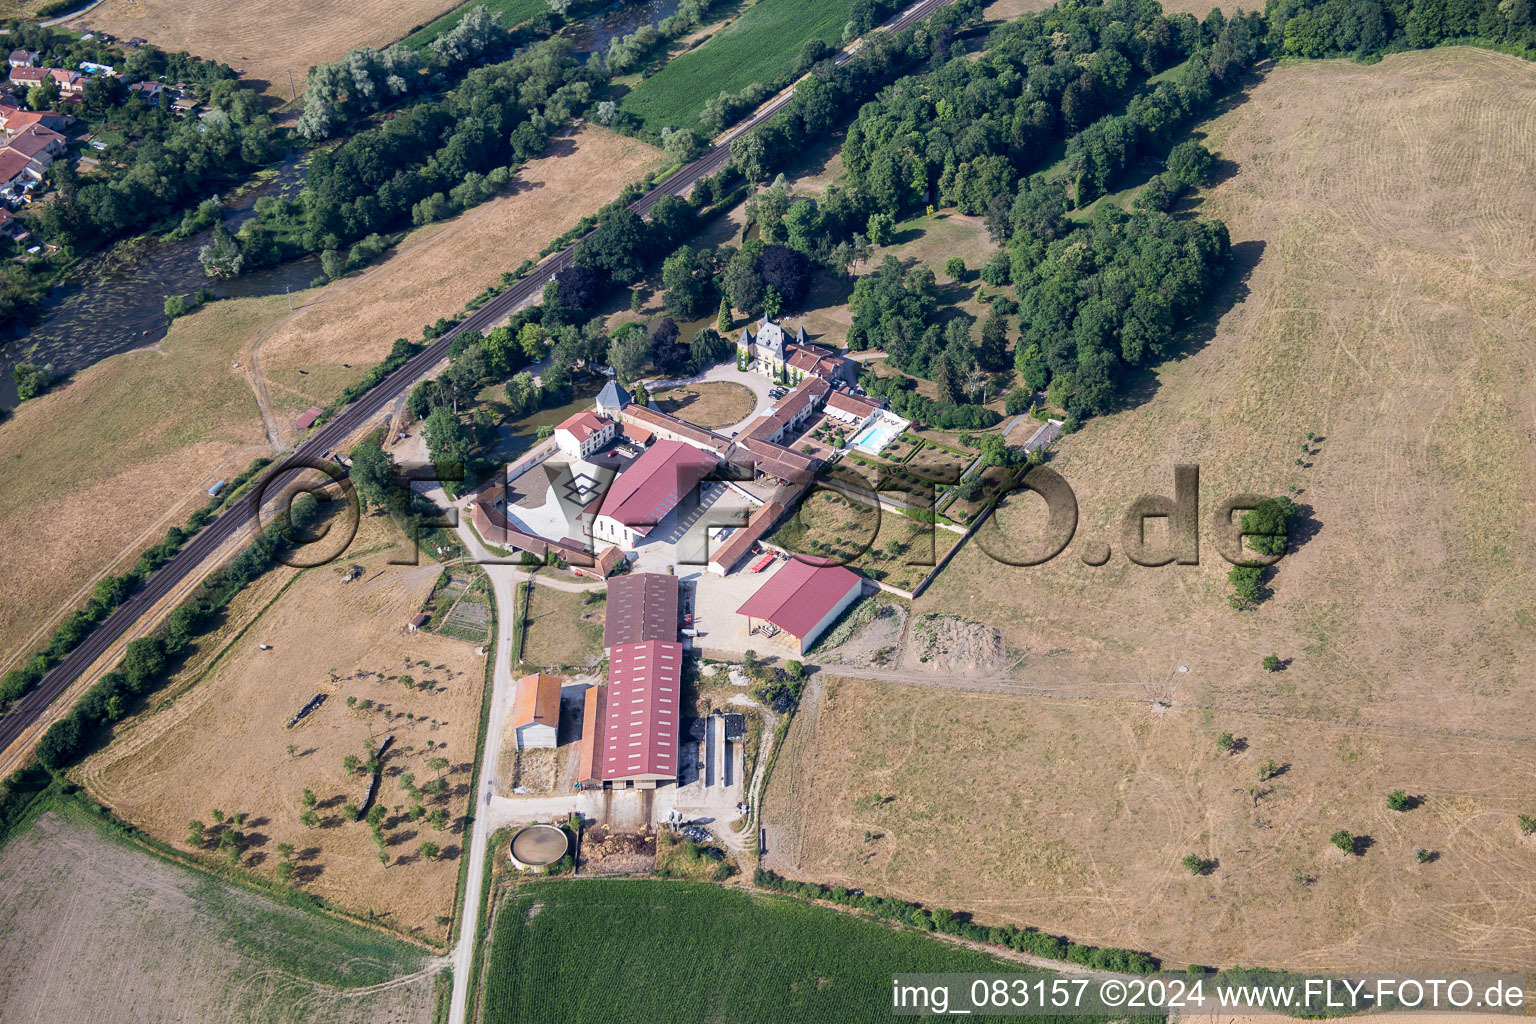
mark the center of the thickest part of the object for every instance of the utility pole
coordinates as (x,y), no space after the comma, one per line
(288,296)
(292,92)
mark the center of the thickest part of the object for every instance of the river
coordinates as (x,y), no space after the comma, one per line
(114,301)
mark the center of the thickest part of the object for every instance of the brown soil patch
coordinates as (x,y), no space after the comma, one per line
(1073,817)
(951,646)
(1386,270)
(265,40)
(223,743)
(98,930)
(606,852)
(712,404)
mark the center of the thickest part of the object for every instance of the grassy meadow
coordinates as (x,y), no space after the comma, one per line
(760,46)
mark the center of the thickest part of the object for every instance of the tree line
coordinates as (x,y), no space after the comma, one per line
(947,922)
(432,160)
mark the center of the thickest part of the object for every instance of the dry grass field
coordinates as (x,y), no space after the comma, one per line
(221,740)
(311,356)
(102,467)
(1383,300)
(713,404)
(1073,816)
(265,40)
(96,930)
(99,469)
(562,629)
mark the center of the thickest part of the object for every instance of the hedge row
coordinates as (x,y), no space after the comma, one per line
(938,919)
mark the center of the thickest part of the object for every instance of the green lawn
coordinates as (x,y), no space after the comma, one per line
(759,46)
(512,12)
(686,951)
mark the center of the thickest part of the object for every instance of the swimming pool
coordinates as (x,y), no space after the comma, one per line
(877,435)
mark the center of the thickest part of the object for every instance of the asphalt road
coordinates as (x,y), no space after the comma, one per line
(241,515)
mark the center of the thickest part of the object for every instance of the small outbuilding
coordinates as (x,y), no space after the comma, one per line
(536,713)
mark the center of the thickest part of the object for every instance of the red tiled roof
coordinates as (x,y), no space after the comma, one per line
(791,405)
(538,701)
(844,402)
(663,423)
(641,724)
(32,140)
(800,595)
(654,483)
(12,165)
(641,606)
(740,542)
(636,433)
(583,425)
(36,75)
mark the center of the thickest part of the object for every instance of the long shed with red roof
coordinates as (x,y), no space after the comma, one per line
(641,713)
(801,600)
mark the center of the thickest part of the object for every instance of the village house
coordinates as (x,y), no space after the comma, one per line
(16,173)
(24,58)
(149,92)
(38,144)
(584,433)
(11,227)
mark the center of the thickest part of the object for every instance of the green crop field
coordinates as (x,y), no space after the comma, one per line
(760,46)
(688,951)
(512,12)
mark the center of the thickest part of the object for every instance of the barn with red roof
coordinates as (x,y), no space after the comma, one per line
(641,712)
(647,492)
(801,600)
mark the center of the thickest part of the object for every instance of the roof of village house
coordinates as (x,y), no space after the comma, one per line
(654,483)
(608,559)
(33,140)
(640,727)
(12,165)
(850,403)
(636,433)
(641,606)
(741,541)
(538,701)
(800,594)
(28,74)
(664,422)
(23,56)
(778,461)
(791,405)
(583,425)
